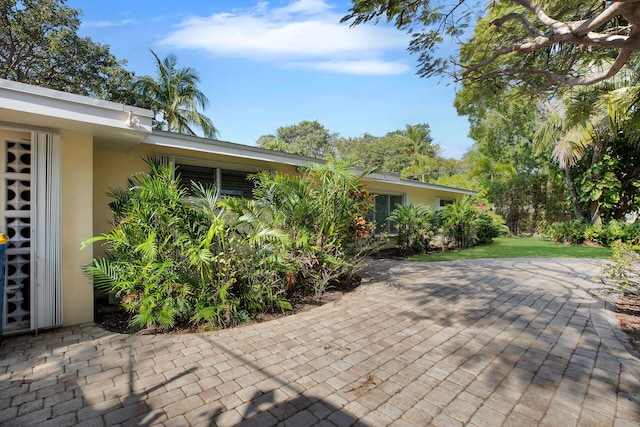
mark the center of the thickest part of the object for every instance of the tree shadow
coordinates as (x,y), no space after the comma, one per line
(264,410)
(56,394)
(518,337)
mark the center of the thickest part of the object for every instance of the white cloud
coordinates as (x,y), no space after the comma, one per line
(304,32)
(107,24)
(363,67)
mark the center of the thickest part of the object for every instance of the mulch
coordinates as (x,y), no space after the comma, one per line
(628,314)
(115,319)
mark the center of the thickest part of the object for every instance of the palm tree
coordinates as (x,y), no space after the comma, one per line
(174,95)
(418,142)
(589,119)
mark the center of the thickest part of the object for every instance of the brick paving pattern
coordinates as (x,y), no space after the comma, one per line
(473,343)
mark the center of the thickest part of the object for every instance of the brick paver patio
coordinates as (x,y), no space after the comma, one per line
(475,343)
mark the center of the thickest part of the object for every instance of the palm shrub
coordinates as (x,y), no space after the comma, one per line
(145,266)
(489,225)
(467,223)
(415,227)
(240,260)
(171,262)
(457,223)
(323,211)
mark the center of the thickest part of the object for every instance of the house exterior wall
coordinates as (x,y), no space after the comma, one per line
(12,134)
(112,168)
(77,225)
(413,195)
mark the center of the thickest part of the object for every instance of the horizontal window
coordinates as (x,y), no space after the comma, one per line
(445,202)
(228,182)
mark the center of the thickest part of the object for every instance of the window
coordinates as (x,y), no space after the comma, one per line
(383,205)
(198,174)
(228,181)
(236,183)
(444,202)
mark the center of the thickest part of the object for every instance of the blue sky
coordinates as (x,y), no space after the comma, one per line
(268,64)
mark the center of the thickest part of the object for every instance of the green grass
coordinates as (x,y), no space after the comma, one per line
(518,247)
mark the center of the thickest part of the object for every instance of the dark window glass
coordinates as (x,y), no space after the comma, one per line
(236,183)
(383,205)
(199,174)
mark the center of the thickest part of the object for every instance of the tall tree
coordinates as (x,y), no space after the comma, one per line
(307,138)
(524,187)
(392,152)
(588,130)
(175,97)
(39,45)
(515,42)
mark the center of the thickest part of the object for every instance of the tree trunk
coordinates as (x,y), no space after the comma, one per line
(573,194)
(595,212)
(598,153)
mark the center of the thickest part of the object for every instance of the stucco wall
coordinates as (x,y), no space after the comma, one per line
(414,195)
(77,225)
(112,168)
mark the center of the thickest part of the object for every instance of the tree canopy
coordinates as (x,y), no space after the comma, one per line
(515,42)
(307,138)
(39,45)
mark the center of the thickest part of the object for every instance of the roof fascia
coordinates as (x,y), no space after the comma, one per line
(20,97)
(213,146)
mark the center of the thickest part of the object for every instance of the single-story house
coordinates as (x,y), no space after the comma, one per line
(60,154)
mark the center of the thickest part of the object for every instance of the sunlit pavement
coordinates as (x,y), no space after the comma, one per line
(475,343)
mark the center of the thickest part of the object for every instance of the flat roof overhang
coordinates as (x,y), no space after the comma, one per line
(117,126)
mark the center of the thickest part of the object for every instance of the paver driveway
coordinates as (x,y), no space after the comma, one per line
(485,343)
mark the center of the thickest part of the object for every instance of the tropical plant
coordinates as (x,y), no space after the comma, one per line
(415,227)
(489,225)
(457,223)
(171,262)
(175,97)
(145,266)
(323,211)
(589,130)
(467,223)
(624,267)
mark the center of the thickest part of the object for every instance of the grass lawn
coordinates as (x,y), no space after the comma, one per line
(518,247)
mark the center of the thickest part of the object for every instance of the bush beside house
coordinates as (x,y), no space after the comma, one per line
(462,224)
(176,257)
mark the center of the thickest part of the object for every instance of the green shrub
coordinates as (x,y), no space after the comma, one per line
(170,262)
(569,231)
(457,223)
(323,212)
(415,227)
(624,268)
(603,234)
(488,226)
